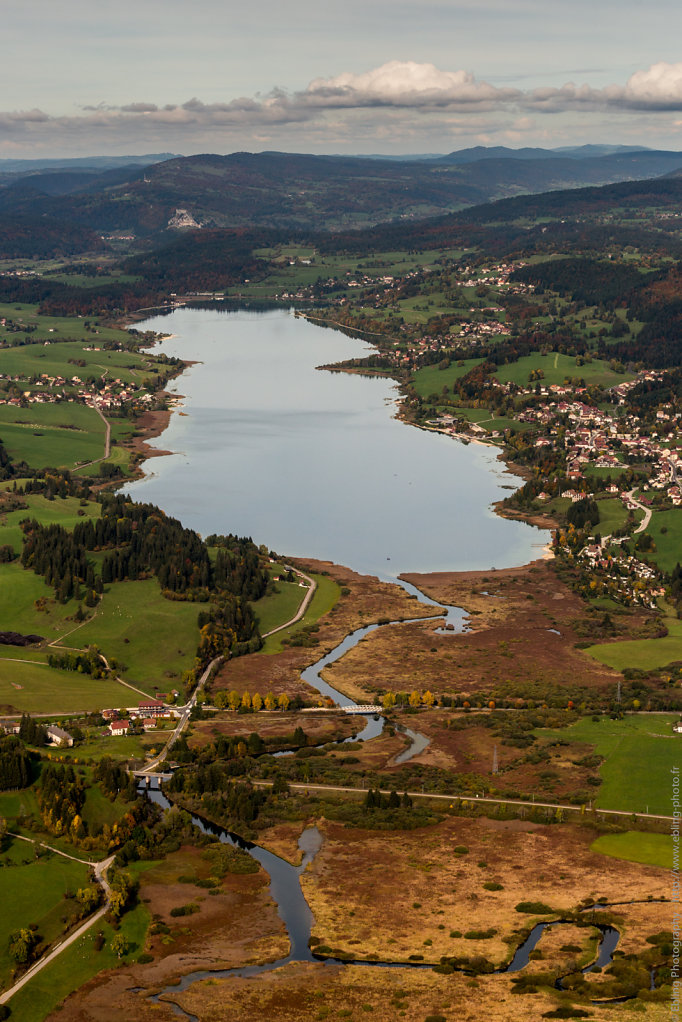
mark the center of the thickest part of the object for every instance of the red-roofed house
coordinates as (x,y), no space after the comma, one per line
(151,708)
(119,727)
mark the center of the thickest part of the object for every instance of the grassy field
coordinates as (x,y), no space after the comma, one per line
(634,846)
(33,687)
(76,965)
(612,515)
(326,595)
(62,511)
(431,379)
(642,654)
(58,435)
(557,368)
(639,752)
(665,528)
(154,638)
(34,893)
(118,747)
(19,590)
(274,609)
(50,328)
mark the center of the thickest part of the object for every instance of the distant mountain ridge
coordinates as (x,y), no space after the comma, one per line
(300,192)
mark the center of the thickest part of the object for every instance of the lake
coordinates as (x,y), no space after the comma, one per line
(314,463)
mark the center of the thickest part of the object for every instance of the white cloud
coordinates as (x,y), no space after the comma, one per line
(400,100)
(405,84)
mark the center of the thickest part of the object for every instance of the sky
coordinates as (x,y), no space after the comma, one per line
(353,76)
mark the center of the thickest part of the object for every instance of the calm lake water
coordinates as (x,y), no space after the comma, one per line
(313,463)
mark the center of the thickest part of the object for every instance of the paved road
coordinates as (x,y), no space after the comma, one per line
(471,798)
(185,712)
(647,513)
(100,869)
(312,586)
(107,442)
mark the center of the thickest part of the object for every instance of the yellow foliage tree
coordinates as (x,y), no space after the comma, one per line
(257,702)
(283,701)
(415,698)
(270,702)
(246,701)
(428,698)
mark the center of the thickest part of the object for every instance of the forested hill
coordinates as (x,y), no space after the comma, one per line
(289,191)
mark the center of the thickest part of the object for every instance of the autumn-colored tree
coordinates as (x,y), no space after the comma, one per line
(221,700)
(234,699)
(388,700)
(270,702)
(257,702)
(246,701)
(21,945)
(283,701)
(428,698)
(415,698)
(120,945)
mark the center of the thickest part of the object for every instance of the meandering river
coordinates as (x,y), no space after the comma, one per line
(314,463)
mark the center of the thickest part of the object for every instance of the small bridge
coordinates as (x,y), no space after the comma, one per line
(142,775)
(367,708)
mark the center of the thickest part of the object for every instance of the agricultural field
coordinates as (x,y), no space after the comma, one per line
(33,891)
(56,435)
(52,328)
(557,368)
(431,379)
(639,752)
(642,654)
(64,511)
(612,515)
(77,964)
(153,639)
(30,686)
(665,528)
(635,846)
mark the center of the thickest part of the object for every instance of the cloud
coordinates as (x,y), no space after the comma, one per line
(405,84)
(401,99)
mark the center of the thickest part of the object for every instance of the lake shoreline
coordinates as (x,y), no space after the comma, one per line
(418,557)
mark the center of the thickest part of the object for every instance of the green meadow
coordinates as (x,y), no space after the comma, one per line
(557,368)
(32,687)
(77,964)
(326,595)
(273,609)
(665,528)
(639,753)
(34,893)
(642,654)
(636,846)
(153,639)
(56,435)
(431,379)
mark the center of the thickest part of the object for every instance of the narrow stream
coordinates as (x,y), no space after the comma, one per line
(293,910)
(285,887)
